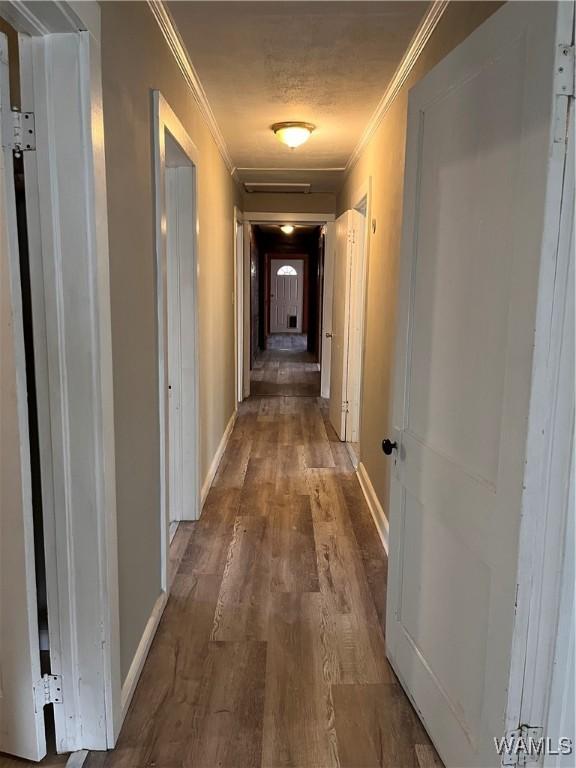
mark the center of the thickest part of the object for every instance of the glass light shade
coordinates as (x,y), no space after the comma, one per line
(287,228)
(293,134)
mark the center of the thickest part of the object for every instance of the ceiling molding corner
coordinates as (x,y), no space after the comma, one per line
(411,55)
(178,49)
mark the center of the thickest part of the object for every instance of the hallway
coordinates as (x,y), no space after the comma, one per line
(271,650)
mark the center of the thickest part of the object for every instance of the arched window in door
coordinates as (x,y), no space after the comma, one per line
(287,270)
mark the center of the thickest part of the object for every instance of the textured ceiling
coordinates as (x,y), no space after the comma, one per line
(323,62)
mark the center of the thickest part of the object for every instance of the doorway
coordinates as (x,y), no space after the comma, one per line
(181,321)
(176,177)
(310,237)
(286,291)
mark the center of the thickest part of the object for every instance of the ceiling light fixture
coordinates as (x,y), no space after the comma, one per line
(287,228)
(293,134)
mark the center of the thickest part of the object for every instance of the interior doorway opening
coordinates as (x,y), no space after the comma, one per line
(176,220)
(286,280)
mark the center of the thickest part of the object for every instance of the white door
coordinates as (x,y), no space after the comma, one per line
(174,330)
(357,287)
(286,295)
(347,325)
(21,717)
(482,162)
(340,326)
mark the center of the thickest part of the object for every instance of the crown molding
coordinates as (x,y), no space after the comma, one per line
(178,49)
(289,170)
(411,55)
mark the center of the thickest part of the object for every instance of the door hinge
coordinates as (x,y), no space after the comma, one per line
(20,135)
(48,690)
(521,746)
(565,70)
(564,77)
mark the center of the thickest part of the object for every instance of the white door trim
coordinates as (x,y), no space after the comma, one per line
(67,216)
(549,451)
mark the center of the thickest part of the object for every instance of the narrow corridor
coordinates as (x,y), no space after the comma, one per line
(271,648)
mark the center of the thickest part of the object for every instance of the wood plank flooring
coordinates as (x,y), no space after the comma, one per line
(271,651)
(286,368)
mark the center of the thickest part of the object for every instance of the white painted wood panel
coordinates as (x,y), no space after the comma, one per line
(340,327)
(476,184)
(21,721)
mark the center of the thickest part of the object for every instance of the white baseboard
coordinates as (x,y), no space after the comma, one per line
(373,504)
(207,484)
(133,675)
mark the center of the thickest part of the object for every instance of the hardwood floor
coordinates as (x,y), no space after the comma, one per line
(286,368)
(271,649)
(50,761)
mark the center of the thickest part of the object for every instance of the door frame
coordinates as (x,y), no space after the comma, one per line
(166,120)
(61,82)
(321,219)
(548,496)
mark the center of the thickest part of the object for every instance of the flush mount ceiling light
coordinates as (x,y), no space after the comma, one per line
(287,228)
(293,134)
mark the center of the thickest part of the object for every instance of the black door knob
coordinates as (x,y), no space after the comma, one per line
(388,446)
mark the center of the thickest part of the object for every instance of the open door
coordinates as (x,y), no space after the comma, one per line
(347,324)
(340,326)
(485,160)
(21,693)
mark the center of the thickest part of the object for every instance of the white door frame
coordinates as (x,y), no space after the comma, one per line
(67,216)
(321,219)
(548,479)
(166,120)
(238,304)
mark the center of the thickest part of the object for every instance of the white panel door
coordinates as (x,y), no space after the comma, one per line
(481,165)
(21,720)
(286,295)
(174,330)
(340,326)
(357,224)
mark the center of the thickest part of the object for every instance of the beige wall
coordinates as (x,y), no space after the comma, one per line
(383,160)
(135,60)
(315,202)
